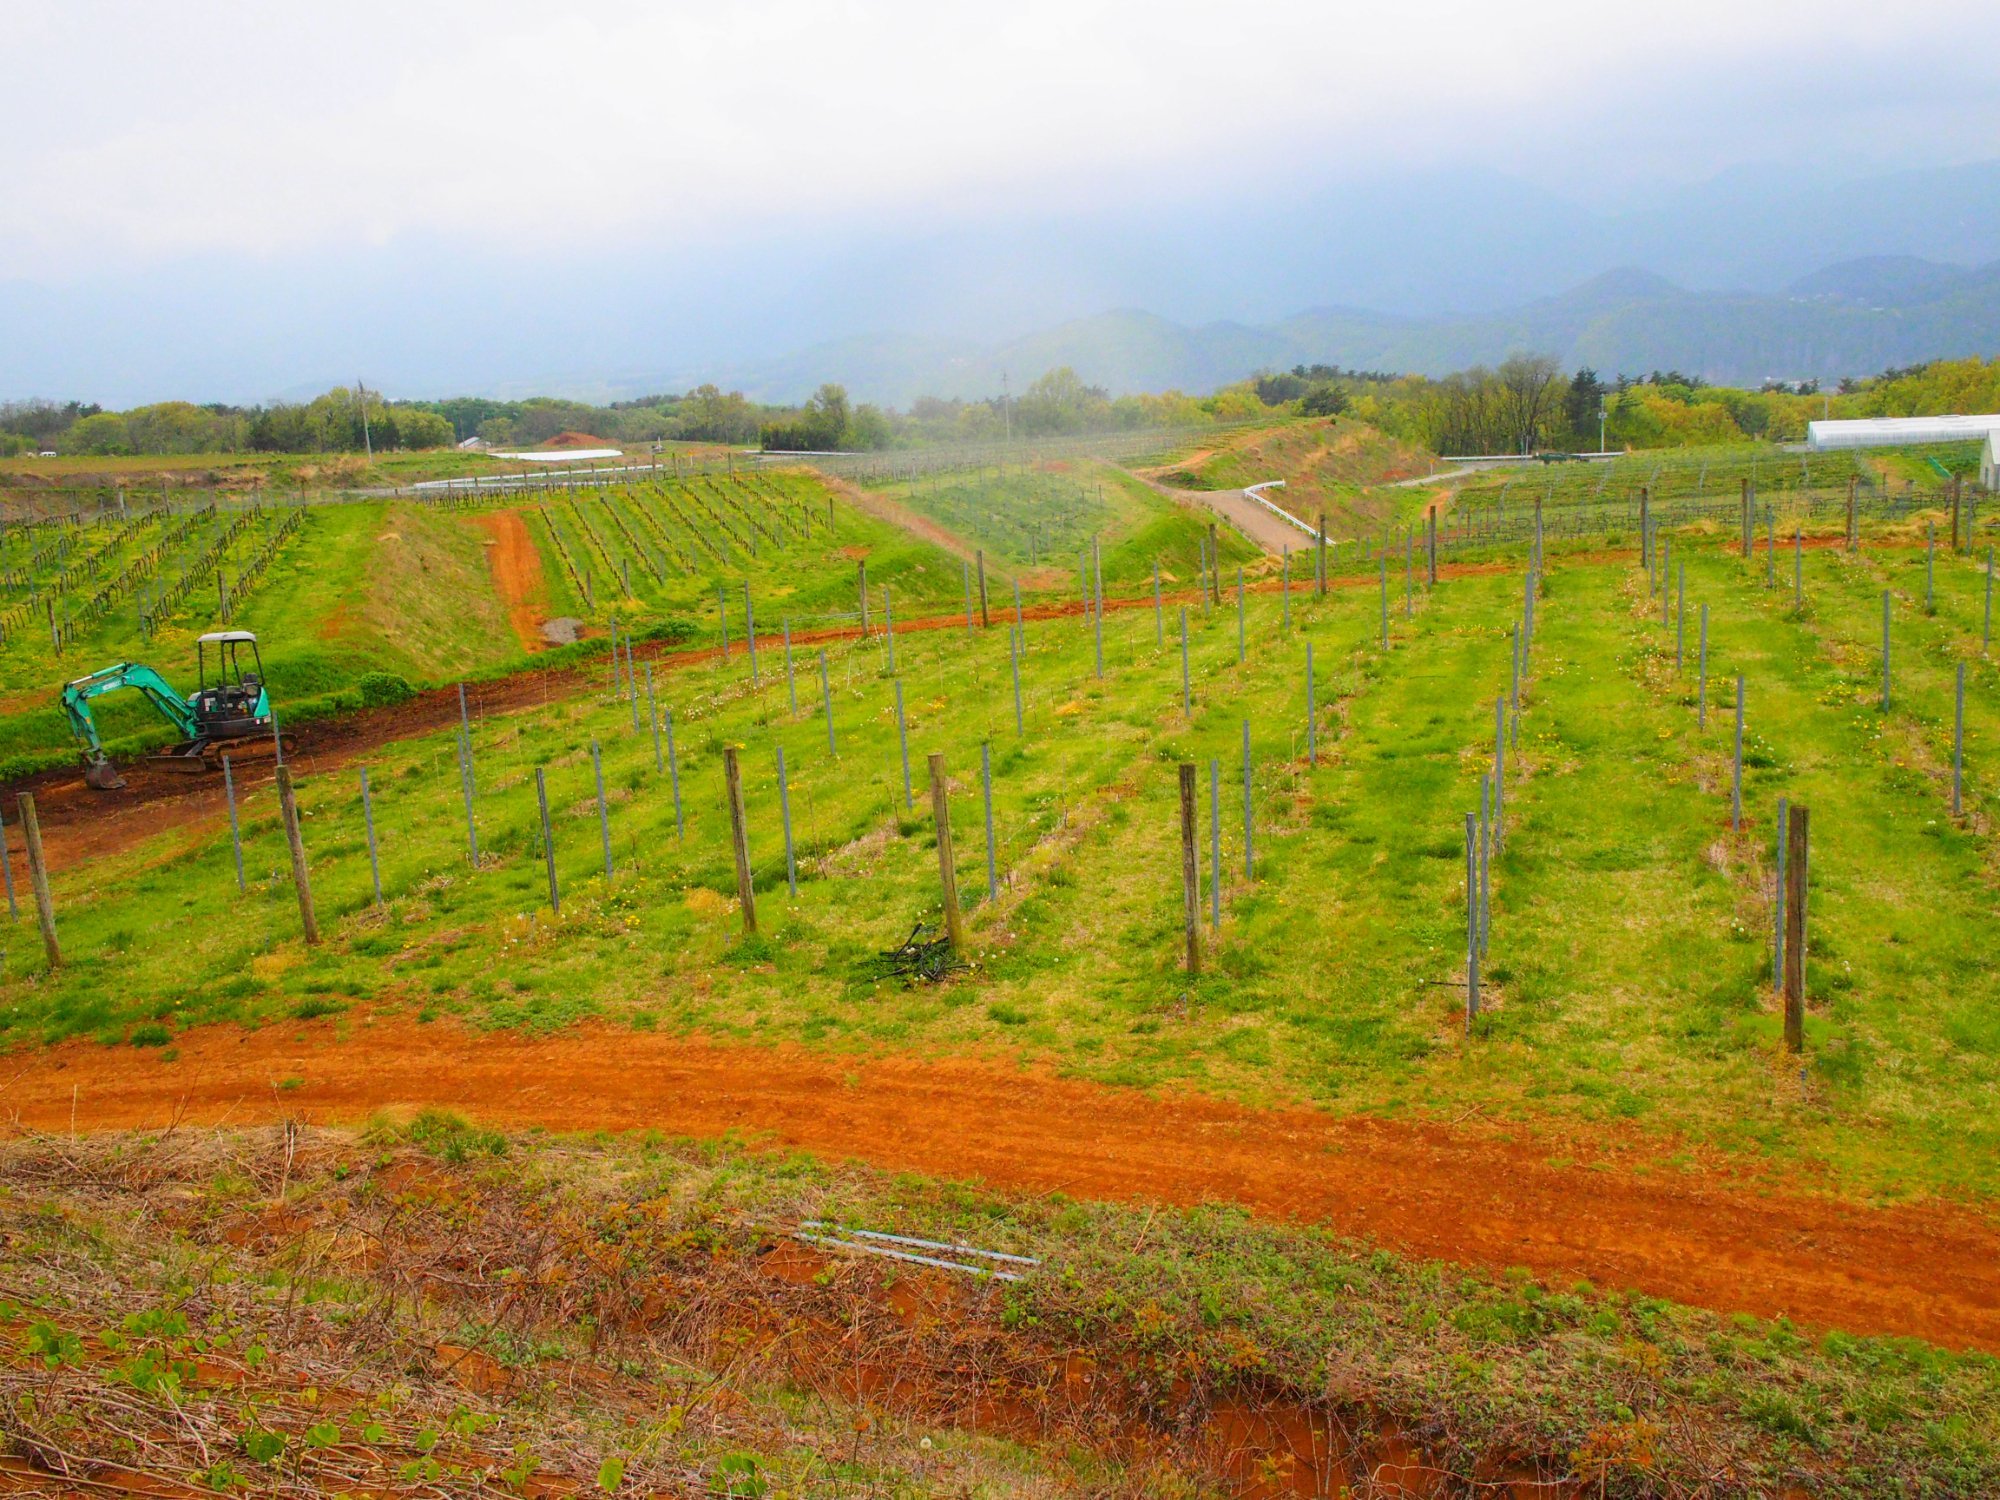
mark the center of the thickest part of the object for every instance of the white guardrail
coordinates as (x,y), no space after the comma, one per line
(1256,492)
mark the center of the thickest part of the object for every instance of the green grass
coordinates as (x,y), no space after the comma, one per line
(1628,981)
(1038,523)
(405,588)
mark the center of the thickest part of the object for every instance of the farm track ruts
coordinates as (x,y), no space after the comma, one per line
(1476,1195)
(80,824)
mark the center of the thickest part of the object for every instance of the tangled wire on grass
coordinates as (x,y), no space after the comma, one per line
(922,958)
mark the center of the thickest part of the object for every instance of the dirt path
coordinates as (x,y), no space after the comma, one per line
(1239,510)
(517,574)
(1473,1195)
(897,514)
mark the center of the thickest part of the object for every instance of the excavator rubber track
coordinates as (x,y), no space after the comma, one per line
(197,757)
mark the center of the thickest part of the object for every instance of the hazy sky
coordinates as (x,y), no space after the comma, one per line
(136,138)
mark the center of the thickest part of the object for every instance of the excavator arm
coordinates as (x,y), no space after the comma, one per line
(76,698)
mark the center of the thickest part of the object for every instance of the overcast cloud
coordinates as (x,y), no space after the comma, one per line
(136,131)
(227,200)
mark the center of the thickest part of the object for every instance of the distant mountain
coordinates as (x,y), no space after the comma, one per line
(1854,318)
(1446,261)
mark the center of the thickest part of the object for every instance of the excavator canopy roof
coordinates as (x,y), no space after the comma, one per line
(220,637)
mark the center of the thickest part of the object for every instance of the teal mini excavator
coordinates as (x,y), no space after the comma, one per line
(232,715)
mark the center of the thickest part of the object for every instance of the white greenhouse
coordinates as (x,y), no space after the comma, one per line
(1989,462)
(1885,432)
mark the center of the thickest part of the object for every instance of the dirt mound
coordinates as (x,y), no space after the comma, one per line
(1476,1195)
(577,440)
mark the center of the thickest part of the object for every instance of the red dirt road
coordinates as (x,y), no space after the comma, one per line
(1472,1195)
(517,574)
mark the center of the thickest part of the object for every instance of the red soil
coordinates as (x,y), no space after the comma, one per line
(517,574)
(1473,1194)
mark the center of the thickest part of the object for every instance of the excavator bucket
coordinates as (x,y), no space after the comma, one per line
(102,775)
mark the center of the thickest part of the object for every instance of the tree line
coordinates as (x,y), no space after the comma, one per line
(1529,404)
(1525,404)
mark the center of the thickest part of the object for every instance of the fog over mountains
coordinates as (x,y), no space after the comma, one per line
(1755,274)
(1857,317)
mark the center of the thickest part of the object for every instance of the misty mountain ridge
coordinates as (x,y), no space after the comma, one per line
(1854,318)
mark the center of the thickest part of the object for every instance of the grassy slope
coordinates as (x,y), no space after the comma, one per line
(1037,523)
(1337,466)
(617,1303)
(406,588)
(1630,958)
(364,587)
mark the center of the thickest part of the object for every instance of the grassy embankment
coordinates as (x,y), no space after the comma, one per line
(407,589)
(1343,467)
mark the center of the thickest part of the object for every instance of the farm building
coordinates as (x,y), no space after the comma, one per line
(1883,432)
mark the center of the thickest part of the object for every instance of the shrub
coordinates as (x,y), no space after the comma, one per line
(384,689)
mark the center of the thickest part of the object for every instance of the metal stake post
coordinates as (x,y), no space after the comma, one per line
(548,841)
(674,777)
(368,822)
(986,786)
(826,701)
(1736,775)
(1249,848)
(1187,691)
(603,812)
(1215,842)
(903,741)
(235,831)
(785,815)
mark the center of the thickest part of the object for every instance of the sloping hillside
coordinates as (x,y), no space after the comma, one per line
(1333,466)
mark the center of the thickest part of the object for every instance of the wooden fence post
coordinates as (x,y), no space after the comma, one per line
(1190,870)
(288,809)
(38,878)
(739,839)
(1795,931)
(954,926)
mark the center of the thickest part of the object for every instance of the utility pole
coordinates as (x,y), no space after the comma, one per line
(1600,426)
(1006,407)
(367,442)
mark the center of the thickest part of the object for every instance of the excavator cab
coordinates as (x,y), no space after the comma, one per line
(235,703)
